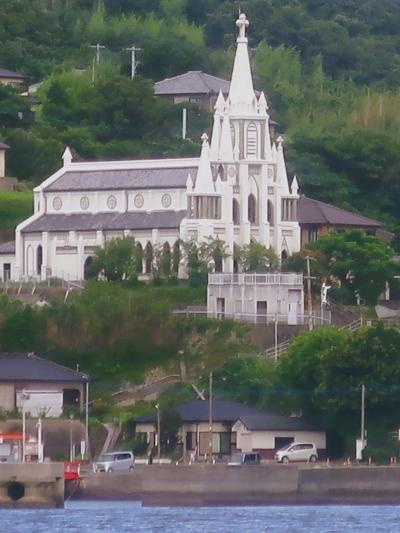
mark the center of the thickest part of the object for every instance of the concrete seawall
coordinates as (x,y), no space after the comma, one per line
(31,485)
(246,485)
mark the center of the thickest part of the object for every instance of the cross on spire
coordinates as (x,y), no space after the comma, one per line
(242,23)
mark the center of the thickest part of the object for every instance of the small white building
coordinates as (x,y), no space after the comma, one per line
(256,297)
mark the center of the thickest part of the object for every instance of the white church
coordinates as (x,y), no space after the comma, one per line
(237,192)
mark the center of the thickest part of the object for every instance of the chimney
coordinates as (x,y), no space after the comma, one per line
(3,148)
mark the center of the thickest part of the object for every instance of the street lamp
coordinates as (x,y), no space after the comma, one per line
(71,448)
(210,417)
(158,433)
(23,397)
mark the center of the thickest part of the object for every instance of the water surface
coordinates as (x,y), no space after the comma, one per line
(121,517)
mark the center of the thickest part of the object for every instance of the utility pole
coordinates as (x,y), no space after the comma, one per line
(210,417)
(276,338)
(309,295)
(40,441)
(361,442)
(134,63)
(184,123)
(96,59)
(362,412)
(97,47)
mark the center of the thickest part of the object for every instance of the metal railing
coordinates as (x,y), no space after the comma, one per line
(255,279)
(274,352)
(255,318)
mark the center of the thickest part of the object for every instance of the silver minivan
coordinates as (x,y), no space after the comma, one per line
(297,451)
(115,461)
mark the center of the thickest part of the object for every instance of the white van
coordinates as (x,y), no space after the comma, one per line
(115,461)
(297,451)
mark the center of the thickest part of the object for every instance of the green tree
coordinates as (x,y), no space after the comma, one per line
(117,260)
(359,262)
(257,258)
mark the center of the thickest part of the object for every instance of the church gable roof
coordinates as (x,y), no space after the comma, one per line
(111,179)
(312,211)
(106,221)
(192,82)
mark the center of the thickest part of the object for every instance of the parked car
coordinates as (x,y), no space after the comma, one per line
(297,451)
(118,460)
(244,458)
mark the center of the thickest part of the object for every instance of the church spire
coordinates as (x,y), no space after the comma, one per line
(241,93)
(216,132)
(225,147)
(204,181)
(281,173)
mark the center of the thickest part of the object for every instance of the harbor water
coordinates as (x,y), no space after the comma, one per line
(120,517)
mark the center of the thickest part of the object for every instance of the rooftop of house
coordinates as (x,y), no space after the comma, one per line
(15,366)
(228,411)
(312,211)
(7,247)
(4,146)
(192,82)
(9,74)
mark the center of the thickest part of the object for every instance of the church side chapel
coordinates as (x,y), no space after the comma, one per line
(237,191)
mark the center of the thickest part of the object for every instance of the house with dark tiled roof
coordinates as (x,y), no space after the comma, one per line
(235,427)
(8,77)
(41,386)
(318,218)
(193,86)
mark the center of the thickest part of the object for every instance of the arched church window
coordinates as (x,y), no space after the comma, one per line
(252,140)
(148,258)
(252,209)
(221,172)
(270,213)
(176,257)
(235,212)
(39,259)
(166,259)
(139,257)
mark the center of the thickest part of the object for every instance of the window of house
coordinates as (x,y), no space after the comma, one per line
(6,271)
(312,234)
(280,442)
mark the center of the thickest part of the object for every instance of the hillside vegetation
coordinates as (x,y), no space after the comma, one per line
(330,71)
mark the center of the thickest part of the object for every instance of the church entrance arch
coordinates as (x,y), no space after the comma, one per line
(252,209)
(148,258)
(39,259)
(235,212)
(88,268)
(139,257)
(29,261)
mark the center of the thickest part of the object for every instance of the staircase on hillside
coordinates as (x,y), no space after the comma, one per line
(274,352)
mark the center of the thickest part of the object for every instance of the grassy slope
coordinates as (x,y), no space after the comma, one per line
(14,207)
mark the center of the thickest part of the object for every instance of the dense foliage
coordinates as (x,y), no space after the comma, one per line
(330,71)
